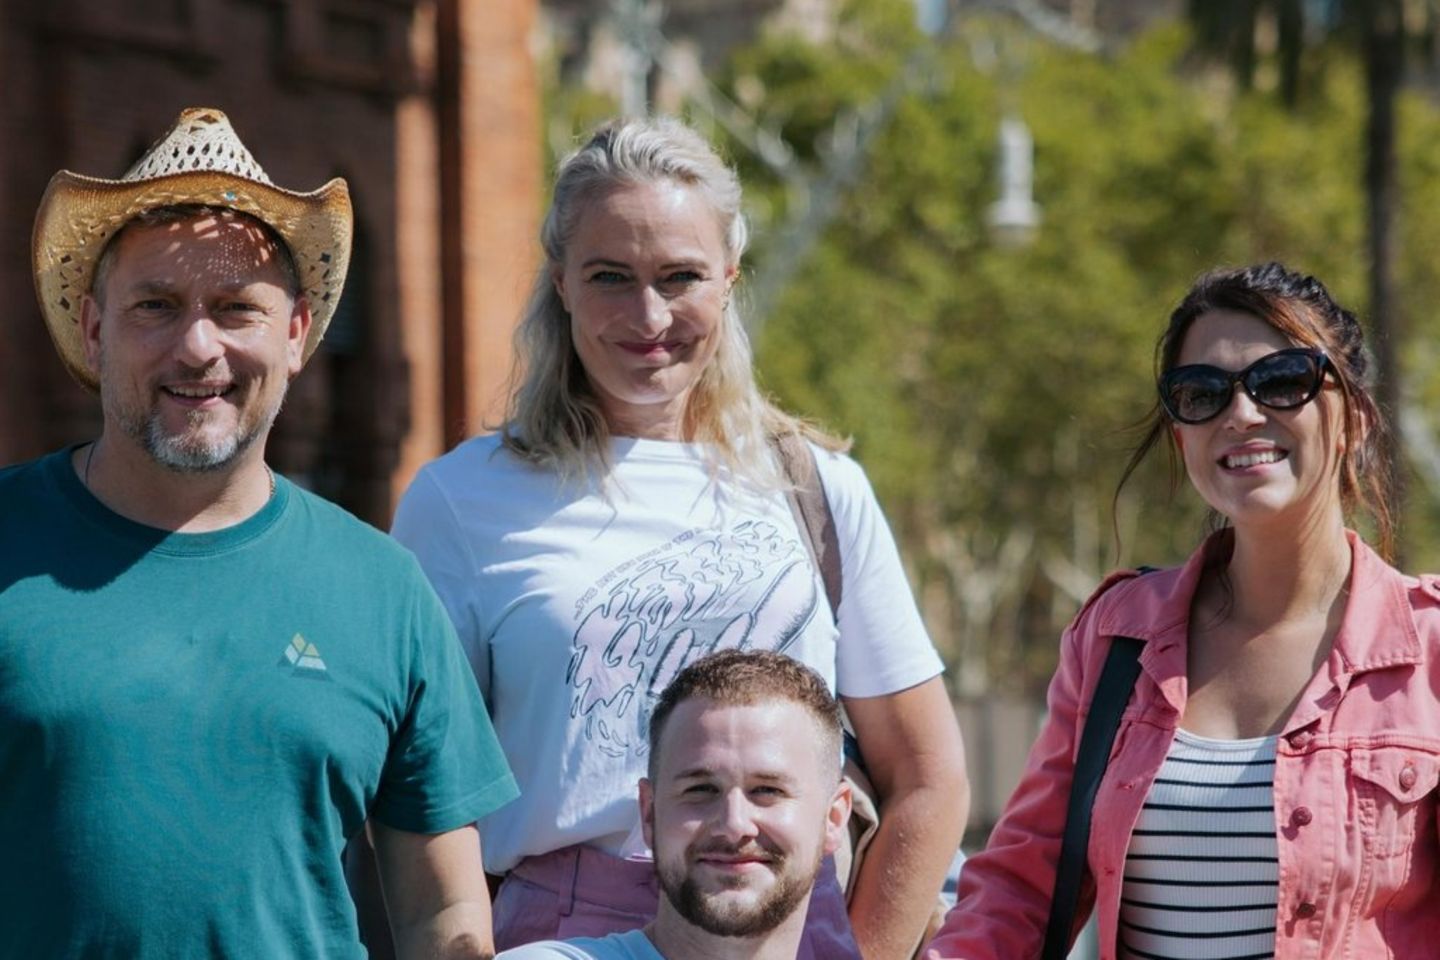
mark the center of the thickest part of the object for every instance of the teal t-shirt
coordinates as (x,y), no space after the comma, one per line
(192,725)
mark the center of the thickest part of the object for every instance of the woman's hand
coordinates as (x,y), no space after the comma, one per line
(913,752)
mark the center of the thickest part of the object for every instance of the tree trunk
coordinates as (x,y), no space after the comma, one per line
(1291,17)
(1384,66)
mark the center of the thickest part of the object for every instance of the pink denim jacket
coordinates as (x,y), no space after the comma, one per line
(1356,777)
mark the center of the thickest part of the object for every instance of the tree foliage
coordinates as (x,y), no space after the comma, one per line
(990,389)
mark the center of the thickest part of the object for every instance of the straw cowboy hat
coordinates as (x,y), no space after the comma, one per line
(199,161)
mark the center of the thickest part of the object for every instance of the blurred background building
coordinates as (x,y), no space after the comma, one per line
(429,108)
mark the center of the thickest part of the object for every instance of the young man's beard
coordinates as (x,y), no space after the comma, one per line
(698,907)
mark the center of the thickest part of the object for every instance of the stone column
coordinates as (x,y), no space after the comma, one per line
(418,227)
(490,161)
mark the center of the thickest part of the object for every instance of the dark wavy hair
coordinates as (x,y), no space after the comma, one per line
(1299,306)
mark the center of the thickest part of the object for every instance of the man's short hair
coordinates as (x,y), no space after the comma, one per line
(182,213)
(742,678)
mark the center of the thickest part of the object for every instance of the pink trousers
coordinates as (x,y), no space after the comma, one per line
(582,892)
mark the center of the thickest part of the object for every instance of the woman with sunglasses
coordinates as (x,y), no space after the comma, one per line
(1271,791)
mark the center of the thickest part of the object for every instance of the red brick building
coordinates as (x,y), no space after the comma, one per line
(430,108)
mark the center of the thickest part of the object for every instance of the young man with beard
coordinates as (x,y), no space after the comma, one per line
(209,678)
(742,802)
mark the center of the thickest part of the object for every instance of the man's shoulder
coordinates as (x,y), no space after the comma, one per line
(631,945)
(16,472)
(330,530)
(32,492)
(29,473)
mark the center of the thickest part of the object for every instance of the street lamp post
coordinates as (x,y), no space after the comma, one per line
(1014,218)
(634,21)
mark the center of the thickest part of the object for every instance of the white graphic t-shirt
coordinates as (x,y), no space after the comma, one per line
(578,603)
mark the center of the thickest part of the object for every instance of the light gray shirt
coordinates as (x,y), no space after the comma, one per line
(631,945)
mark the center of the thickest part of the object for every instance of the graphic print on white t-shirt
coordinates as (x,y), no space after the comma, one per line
(747,587)
(522,557)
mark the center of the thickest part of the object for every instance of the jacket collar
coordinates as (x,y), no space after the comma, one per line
(1377,630)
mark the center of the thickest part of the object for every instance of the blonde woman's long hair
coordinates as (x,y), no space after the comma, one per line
(554,419)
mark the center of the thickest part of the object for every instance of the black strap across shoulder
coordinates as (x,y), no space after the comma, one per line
(1112,692)
(1117,678)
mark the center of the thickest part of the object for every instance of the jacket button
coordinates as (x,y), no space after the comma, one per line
(1301,817)
(1407,777)
(1301,740)
(1305,911)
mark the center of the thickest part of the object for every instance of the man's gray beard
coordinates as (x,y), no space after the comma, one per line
(194,456)
(782,901)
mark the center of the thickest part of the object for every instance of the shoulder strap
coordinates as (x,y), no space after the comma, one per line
(812,512)
(1112,692)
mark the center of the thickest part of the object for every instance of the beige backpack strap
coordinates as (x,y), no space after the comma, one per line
(812,512)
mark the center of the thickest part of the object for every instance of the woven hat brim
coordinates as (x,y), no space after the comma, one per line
(78,215)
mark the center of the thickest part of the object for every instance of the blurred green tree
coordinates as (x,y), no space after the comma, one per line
(989,388)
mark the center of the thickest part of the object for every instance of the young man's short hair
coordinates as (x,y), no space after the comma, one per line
(742,678)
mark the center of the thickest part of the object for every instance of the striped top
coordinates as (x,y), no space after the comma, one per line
(1201,874)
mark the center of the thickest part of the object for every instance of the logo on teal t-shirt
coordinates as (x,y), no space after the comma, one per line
(302,655)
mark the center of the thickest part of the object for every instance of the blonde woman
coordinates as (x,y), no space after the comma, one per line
(629,518)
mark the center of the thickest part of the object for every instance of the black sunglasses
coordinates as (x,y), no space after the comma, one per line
(1282,380)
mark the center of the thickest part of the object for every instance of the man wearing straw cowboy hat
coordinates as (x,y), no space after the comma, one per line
(210,679)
